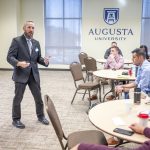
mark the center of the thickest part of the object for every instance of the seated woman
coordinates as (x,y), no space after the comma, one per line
(145,49)
(135,127)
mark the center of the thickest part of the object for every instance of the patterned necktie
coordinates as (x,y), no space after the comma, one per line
(29,45)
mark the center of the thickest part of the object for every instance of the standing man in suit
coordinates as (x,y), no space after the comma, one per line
(24,54)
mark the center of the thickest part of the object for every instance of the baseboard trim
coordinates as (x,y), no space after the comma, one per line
(48,69)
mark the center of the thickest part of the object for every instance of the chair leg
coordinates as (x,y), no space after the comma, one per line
(84,95)
(74,96)
(100,94)
(92,78)
(89,99)
(103,89)
(66,146)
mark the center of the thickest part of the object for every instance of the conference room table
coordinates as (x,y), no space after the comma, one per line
(113,114)
(126,61)
(113,75)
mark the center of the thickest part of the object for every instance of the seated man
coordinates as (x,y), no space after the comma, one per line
(107,53)
(115,60)
(135,127)
(142,80)
(143,75)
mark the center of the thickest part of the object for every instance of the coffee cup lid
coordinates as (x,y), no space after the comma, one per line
(144,116)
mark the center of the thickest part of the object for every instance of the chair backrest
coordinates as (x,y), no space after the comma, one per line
(82,55)
(76,71)
(53,116)
(90,64)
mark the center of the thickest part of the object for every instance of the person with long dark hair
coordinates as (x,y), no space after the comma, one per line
(145,49)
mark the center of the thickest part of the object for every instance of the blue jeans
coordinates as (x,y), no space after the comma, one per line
(126,95)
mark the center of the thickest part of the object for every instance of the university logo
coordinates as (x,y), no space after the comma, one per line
(111,15)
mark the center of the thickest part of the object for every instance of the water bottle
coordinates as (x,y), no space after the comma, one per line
(137,96)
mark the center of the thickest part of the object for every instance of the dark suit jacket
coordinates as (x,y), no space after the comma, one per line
(19,51)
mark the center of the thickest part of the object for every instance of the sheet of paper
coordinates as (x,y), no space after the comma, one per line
(118,121)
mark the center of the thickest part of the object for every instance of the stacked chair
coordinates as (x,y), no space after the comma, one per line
(91,66)
(82,55)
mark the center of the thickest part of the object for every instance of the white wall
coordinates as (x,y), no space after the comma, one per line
(8,28)
(13,14)
(92,17)
(34,10)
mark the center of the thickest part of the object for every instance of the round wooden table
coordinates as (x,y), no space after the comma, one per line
(102,116)
(126,61)
(113,75)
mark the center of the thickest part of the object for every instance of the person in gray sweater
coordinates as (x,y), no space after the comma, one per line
(135,127)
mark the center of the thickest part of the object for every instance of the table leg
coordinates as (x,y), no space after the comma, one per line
(111,90)
(121,142)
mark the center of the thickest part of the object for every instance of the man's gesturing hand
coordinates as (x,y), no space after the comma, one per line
(23,64)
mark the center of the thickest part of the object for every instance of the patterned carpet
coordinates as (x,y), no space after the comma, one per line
(59,86)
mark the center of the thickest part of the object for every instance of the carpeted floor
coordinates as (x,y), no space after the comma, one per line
(59,86)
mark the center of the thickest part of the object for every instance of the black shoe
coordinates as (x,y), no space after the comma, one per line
(43,120)
(18,124)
